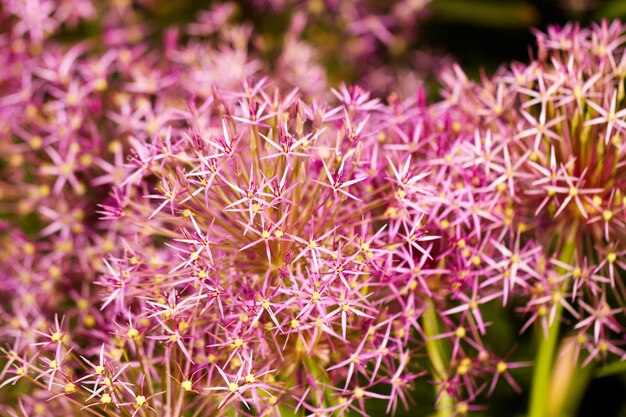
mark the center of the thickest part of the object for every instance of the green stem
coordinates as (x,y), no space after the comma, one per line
(436,354)
(540,387)
(614,368)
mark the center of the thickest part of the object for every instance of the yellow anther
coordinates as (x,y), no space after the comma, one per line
(140,400)
(462,408)
(70,388)
(186,385)
(597,200)
(35,142)
(460,332)
(132,333)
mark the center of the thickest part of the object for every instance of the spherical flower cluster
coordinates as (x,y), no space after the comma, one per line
(185,236)
(548,137)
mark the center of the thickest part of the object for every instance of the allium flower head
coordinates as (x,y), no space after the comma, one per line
(188,230)
(548,138)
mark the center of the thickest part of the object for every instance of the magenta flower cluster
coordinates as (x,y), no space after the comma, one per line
(188,231)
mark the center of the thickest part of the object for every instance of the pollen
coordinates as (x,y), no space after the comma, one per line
(99,369)
(186,385)
(295,323)
(105,399)
(464,366)
(250,379)
(70,388)
(233,387)
(35,142)
(265,235)
(100,85)
(66,169)
(86,160)
(462,408)
(56,337)
(140,400)
(501,367)
(611,257)
(597,200)
(359,392)
(132,333)
(460,332)
(607,215)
